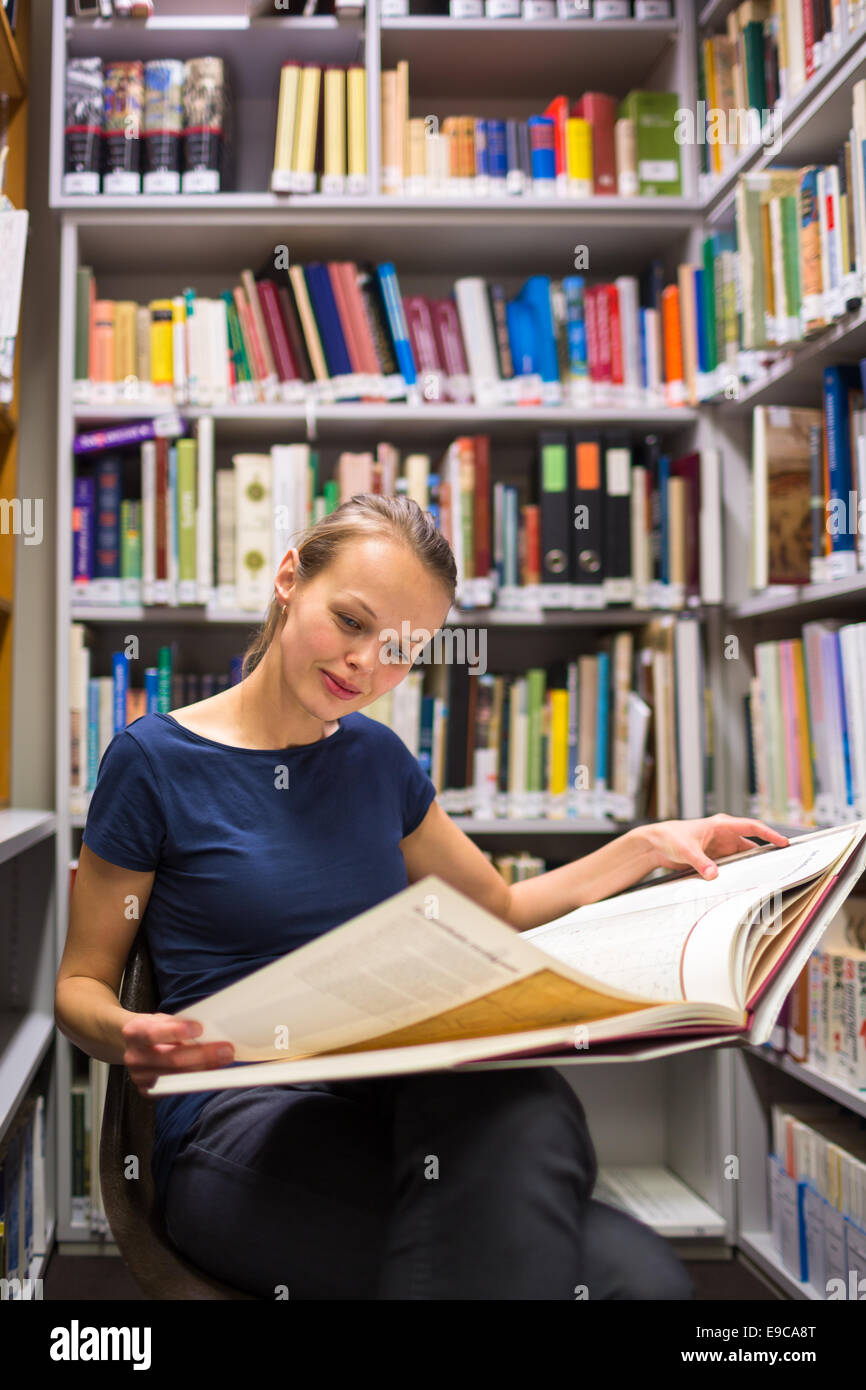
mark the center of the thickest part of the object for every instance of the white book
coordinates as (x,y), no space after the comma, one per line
(479,336)
(225,547)
(627,287)
(710,524)
(218,340)
(641,540)
(834,242)
(659,1199)
(653,333)
(254,546)
(793,20)
(854,677)
(204,508)
(690,717)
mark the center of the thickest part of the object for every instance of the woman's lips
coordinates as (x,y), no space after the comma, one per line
(340,691)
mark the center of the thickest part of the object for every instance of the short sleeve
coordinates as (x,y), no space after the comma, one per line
(126,817)
(418,794)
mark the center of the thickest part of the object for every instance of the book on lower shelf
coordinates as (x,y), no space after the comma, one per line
(23,1221)
(647,973)
(657,1197)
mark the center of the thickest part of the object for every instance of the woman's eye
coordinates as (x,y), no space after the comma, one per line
(346,619)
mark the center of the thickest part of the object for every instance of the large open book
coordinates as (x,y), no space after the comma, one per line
(428,980)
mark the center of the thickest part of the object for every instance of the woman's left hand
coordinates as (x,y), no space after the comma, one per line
(697,843)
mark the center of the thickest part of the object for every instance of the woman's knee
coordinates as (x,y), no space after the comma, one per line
(627,1260)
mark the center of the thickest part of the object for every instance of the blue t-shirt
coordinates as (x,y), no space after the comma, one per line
(254,853)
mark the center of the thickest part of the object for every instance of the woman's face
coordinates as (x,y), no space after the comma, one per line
(348,634)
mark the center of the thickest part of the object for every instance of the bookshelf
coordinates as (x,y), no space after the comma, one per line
(686,1112)
(27,844)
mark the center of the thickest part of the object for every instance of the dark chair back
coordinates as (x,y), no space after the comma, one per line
(131,1204)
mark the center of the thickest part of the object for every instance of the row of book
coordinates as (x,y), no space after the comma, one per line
(330,332)
(321,139)
(801,235)
(809,486)
(531,10)
(768,52)
(23,1209)
(612,520)
(806,726)
(613,734)
(616,734)
(572,149)
(155,127)
(821,1023)
(817,1196)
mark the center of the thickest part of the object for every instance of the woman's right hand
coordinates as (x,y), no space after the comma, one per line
(159,1043)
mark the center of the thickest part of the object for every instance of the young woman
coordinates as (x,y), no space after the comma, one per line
(240,827)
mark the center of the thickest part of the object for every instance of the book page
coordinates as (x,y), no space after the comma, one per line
(426,965)
(672,941)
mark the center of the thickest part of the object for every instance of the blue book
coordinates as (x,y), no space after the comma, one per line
(433,481)
(92,732)
(543,155)
(83,536)
(497,149)
(838,679)
(574,289)
(644,370)
(702,333)
(151,689)
(425,734)
(108,486)
(536,294)
(601,719)
(521,336)
(838,382)
(235,669)
(390,288)
(327,317)
(120,674)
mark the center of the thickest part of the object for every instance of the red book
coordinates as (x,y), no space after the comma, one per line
(449,344)
(616,363)
(419,321)
(605,361)
(809,37)
(276,331)
(557,110)
(348,274)
(591,309)
(293,333)
(600,111)
(531,568)
(482,505)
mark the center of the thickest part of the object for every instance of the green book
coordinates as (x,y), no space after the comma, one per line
(710,304)
(656,150)
(791,259)
(331,492)
(83,281)
(130,550)
(536,678)
(186,534)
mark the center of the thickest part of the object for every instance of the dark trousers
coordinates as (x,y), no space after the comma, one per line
(444,1185)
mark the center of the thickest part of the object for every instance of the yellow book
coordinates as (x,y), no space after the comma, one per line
(304,153)
(335,130)
(558,742)
(417,167)
(356,121)
(401,118)
(124,340)
(712,98)
(287,117)
(161,332)
(391,171)
(578,157)
(804,740)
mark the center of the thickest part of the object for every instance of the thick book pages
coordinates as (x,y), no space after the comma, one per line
(429,980)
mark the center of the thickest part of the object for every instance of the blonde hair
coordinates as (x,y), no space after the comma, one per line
(366,514)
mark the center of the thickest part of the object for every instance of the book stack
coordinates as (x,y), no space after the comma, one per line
(145,127)
(23,1211)
(817,1195)
(596,145)
(532,10)
(751,73)
(100,706)
(809,487)
(330,332)
(618,733)
(321,139)
(611,522)
(806,727)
